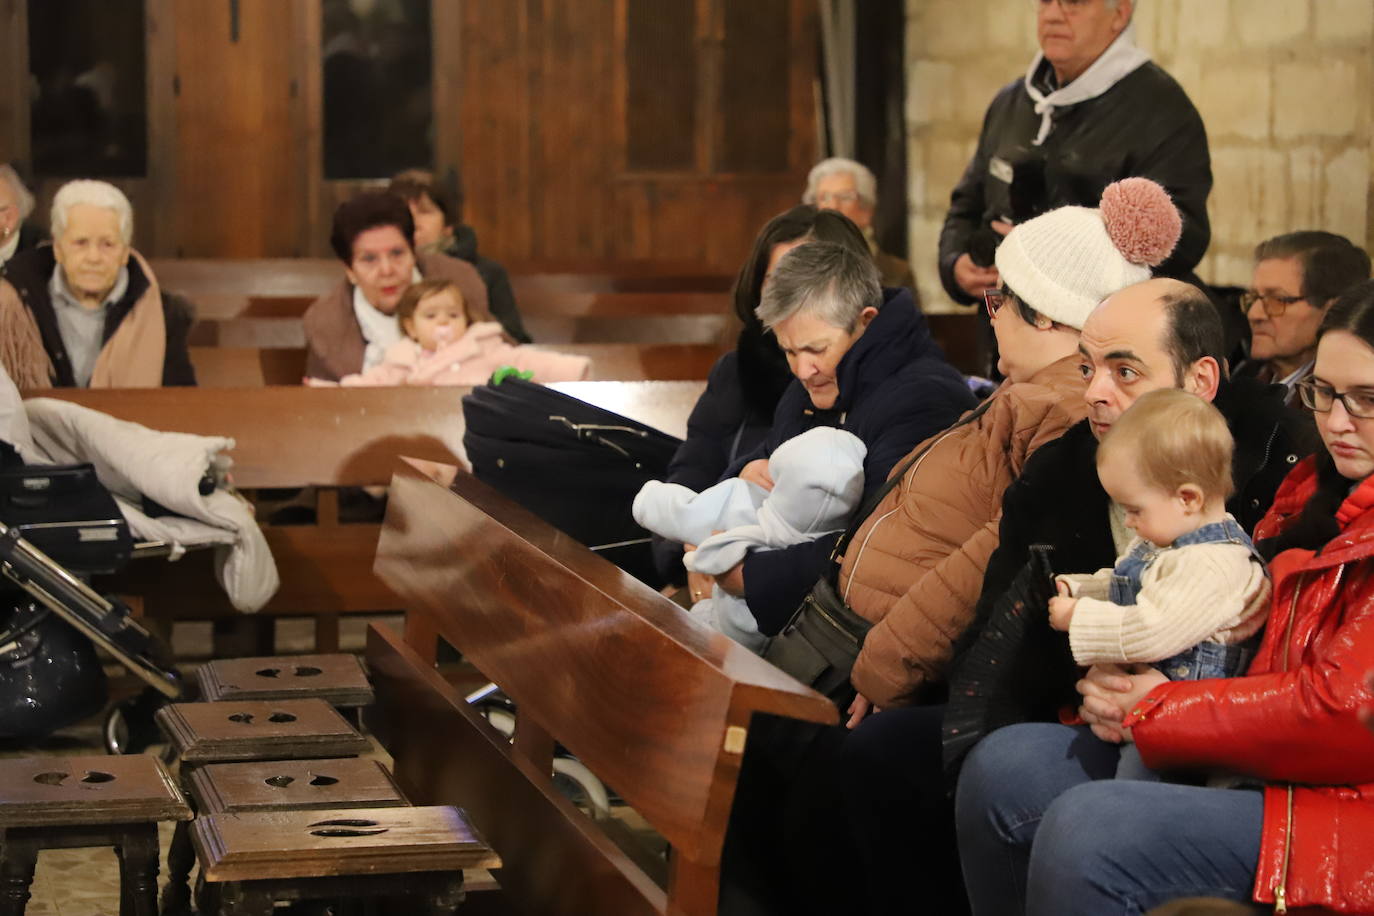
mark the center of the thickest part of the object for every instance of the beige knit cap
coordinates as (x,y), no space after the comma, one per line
(1063,263)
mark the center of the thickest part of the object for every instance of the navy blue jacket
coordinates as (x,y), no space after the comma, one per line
(896,390)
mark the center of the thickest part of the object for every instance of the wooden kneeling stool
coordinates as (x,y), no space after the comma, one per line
(252,861)
(205,733)
(71,802)
(337,679)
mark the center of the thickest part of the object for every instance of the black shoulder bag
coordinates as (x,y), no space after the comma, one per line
(823,639)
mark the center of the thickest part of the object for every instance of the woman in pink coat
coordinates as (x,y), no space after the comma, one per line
(442,346)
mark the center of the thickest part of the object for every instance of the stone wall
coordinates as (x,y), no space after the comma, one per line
(1286,88)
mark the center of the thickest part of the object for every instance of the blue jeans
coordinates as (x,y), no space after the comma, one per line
(1044,829)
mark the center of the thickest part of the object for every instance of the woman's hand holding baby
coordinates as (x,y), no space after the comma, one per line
(756,472)
(1109,694)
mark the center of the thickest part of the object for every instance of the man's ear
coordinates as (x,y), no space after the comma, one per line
(1125,9)
(1203,378)
(867,316)
(1191,496)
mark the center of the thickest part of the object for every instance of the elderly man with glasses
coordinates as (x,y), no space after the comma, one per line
(850,188)
(1296,277)
(1091,109)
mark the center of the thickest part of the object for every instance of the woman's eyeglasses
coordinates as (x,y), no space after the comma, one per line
(1275,304)
(995,298)
(1319,396)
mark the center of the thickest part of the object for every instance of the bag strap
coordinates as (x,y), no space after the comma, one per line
(875,500)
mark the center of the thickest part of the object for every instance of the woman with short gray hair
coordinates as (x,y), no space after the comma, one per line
(863,361)
(86,311)
(16,206)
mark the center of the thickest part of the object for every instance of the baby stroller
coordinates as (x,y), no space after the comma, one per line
(58,524)
(576,466)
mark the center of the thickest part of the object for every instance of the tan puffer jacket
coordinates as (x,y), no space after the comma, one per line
(915,568)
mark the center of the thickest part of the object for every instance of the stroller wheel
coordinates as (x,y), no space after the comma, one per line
(115,731)
(129,727)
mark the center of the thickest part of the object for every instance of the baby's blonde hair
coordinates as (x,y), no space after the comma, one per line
(1175,438)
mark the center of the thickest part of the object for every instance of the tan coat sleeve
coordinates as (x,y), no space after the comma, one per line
(21,346)
(952,512)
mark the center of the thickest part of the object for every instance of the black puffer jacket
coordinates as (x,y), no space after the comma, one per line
(1143,126)
(895,390)
(500,295)
(1058,501)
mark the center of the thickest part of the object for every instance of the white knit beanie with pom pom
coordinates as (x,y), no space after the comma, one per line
(1063,263)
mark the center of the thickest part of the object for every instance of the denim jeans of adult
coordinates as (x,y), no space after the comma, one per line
(1044,829)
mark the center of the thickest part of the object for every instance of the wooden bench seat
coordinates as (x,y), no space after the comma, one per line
(656,705)
(253,367)
(292,437)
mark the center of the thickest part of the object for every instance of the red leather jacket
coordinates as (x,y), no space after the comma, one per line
(1292,720)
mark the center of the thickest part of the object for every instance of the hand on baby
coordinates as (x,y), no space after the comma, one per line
(1061,608)
(756,472)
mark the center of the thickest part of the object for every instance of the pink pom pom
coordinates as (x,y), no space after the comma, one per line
(1142,221)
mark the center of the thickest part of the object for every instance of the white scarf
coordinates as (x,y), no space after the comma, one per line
(1121,59)
(380,330)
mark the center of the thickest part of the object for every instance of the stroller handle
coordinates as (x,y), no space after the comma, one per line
(106,622)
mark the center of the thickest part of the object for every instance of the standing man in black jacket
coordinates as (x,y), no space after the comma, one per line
(1092,109)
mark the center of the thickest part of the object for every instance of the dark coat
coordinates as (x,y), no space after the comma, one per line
(895,390)
(1143,126)
(1058,501)
(500,295)
(30,273)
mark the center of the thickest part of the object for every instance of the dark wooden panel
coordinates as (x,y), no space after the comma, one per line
(755,62)
(496,109)
(14,73)
(237,171)
(660,85)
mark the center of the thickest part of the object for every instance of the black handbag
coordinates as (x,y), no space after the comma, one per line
(823,639)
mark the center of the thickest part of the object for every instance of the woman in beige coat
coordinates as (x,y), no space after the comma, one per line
(916,566)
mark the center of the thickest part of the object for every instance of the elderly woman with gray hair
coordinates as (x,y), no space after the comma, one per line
(850,187)
(863,361)
(86,311)
(16,205)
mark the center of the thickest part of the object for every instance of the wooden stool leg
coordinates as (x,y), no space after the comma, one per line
(18,857)
(238,899)
(138,854)
(181,856)
(446,898)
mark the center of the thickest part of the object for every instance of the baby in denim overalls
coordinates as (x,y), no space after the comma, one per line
(1190,593)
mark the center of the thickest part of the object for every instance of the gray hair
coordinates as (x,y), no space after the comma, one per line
(93,194)
(21,193)
(864,183)
(832,282)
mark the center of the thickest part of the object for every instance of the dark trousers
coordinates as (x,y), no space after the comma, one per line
(831,821)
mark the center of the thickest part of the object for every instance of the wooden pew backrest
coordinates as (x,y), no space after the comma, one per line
(655,704)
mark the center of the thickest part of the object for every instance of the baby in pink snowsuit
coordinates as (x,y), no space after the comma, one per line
(443,347)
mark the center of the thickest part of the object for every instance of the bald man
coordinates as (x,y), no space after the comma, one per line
(1157,334)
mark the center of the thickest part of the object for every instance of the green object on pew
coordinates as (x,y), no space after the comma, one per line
(505,372)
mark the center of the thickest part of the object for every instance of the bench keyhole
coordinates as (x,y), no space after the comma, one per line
(95,776)
(279,782)
(51,779)
(281,717)
(346,827)
(243,718)
(268,672)
(324,781)
(307,671)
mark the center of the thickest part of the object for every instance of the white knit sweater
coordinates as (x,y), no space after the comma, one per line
(1189,595)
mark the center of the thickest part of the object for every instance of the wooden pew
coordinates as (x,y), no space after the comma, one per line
(652,702)
(253,367)
(326,438)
